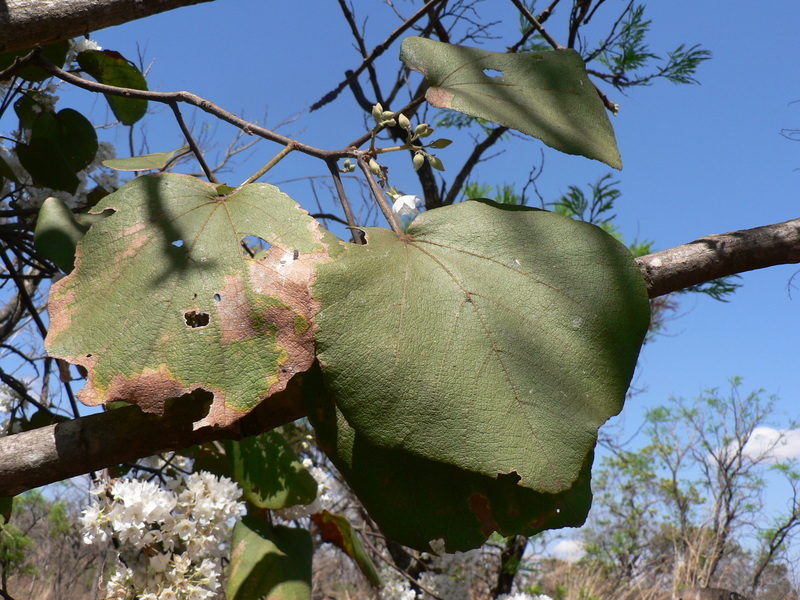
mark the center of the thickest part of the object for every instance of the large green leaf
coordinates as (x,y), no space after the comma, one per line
(272,562)
(111,68)
(544,94)
(492,338)
(163,300)
(414,500)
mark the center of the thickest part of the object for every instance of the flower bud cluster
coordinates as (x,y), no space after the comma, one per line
(171,540)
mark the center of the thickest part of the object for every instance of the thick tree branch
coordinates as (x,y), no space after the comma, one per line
(715,256)
(49,454)
(25,23)
(94,442)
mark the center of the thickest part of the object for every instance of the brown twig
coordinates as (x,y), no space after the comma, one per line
(378,194)
(536,24)
(376,52)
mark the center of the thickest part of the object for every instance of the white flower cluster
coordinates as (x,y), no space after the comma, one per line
(170,542)
(323,501)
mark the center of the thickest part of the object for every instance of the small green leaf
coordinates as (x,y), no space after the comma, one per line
(272,562)
(337,530)
(145,162)
(111,68)
(269,473)
(56,53)
(544,94)
(58,233)
(224,190)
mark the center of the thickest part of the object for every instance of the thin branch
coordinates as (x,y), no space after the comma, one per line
(172,98)
(377,51)
(273,161)
(380,198)
(473,159)
(536,24)
(192,144)
(340,191)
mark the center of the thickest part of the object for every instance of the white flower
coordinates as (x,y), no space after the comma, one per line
(406,205)
(83,44)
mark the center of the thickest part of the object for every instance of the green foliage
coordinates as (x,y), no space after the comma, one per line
(629,53)
(546,95)
(58,231)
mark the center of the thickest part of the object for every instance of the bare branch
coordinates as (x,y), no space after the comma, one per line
(379,49)
(715,256)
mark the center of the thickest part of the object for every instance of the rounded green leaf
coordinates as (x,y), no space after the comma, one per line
(111,68)
(544,94)
(491,338)
(163,300)
(61,145)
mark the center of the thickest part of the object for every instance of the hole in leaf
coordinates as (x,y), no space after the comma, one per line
(217,297)
(253,246)
(492,73)
(196,319)
(177,243)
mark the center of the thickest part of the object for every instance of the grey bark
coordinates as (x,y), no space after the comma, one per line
(714,256)
(26,23)
(49,454)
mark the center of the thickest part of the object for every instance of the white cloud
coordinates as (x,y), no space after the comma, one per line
(773,444)
(568,550)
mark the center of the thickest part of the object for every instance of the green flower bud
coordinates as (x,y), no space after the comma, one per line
(403,121)
(377,111)
(435,163)
(418,159)
(375,167)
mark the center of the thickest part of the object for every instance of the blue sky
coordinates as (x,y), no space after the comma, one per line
(697,159)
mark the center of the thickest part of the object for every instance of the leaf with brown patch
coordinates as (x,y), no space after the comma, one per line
(163,299)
